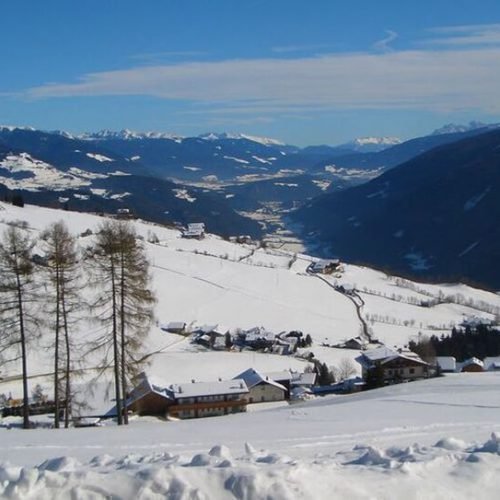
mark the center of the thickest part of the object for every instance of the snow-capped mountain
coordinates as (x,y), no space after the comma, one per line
(454,128)
(266,141)
(126,134)
(371,144)
(49,169)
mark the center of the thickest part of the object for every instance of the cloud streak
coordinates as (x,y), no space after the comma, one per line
(385,44)
(466,36)
(439,80)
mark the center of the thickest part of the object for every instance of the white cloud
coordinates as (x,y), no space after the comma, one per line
(385,43)
(466,36)
(439,80)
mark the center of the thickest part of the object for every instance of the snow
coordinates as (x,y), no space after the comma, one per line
(261,160)
(253,377)
(127,134)
(34,175)
(99,192)
(371,144)
(429,439)
(238,160)
(183,194)
(99,157)
(85,174)
(212,136)
(196,389)
(434,439)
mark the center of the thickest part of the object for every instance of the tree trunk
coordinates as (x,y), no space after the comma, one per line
(122,332)
(26,410)
(56,349)
(67,389)
(116,358)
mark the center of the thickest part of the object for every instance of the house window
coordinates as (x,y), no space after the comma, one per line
(412,371)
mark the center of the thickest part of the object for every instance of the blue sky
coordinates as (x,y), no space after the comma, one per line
(305,72)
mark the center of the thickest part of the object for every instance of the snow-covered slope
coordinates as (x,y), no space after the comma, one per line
(426,439)
(213,281)
(21,171)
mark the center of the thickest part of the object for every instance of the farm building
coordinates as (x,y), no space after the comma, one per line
(472,365)
(208,399)
(194,230)
(447,364)
(189,400)
(262,388)
(174,327)
(395,365)
(324,266)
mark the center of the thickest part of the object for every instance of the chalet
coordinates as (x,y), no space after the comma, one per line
(258,338)
(261,387)
(284,378)
(194,230)
(124,213)
(356,343)
(174,327)
(472,365)
(396,365)
(324,266)
(208,399)
(492,363)
(189,400)
(150,397)
(211,336)
(292,380)
(242,238)
(447,364)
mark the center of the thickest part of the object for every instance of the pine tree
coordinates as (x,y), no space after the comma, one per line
(18,325)
(64,280)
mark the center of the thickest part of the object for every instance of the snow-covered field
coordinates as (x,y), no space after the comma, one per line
(430,439)
(359,446)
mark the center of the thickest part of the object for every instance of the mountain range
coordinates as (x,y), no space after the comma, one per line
(435,216)
(383,207)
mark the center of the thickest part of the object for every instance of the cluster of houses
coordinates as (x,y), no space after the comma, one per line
(403,365)
(195,230)
(258,338)
(152,396)
(448,364)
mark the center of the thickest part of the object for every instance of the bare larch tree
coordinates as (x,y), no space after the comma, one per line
(64,282)
(18,326)
(125,303)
